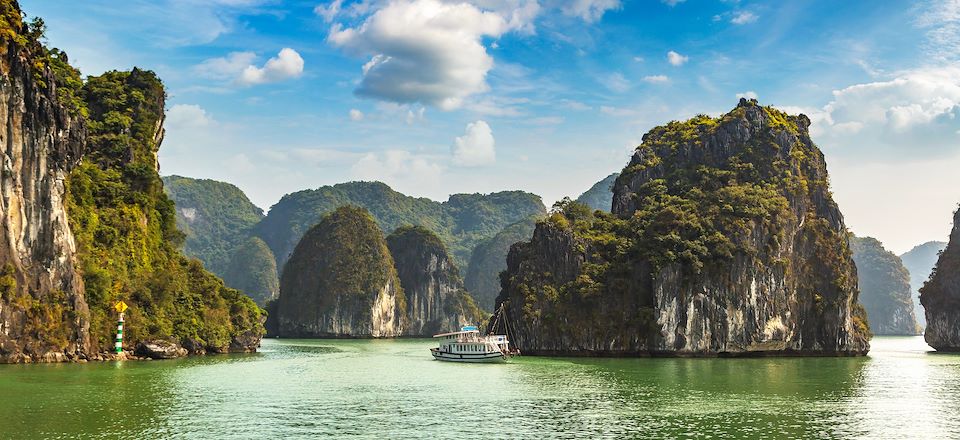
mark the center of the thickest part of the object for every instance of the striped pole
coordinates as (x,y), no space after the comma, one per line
(119,344)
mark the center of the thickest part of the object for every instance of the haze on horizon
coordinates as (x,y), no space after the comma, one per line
(438,97)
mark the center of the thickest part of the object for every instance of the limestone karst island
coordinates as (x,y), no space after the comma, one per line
(479,219)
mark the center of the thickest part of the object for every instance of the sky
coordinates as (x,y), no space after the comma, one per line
(436,97)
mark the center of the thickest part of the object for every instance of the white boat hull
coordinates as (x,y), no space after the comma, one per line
(468,357)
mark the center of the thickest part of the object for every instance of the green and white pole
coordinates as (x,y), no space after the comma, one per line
(119,344)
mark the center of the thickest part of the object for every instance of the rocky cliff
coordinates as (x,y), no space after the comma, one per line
(85,222)
(920,262)
(724,240)
(489,258)
(884,288)
(340,281)
(436,299)
(43,313)
(940,296)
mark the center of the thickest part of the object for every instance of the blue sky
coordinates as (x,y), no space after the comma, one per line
(437,97)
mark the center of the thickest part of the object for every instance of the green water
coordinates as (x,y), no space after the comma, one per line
(393,389)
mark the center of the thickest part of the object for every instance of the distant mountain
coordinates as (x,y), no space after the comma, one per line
(920,262)
(253,270)
(216,217)
(490,258)
(461,222)
(884,288)
(600,195)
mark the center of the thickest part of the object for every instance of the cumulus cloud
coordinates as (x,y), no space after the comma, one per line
(187,116)
(286,65)
(749,94)
(426,51)
(239,67)
(589,10)
(400,169)
(475,147)
(656,79)
(356,115)
(676,59)
(914,115)
(743,17)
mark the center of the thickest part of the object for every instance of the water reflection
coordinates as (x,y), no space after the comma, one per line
(393,389)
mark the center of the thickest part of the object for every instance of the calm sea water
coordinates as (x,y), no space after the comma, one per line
(393,389)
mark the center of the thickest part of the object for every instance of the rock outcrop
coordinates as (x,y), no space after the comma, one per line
(884,288)
(159,349)
(920,262)
(436,299)
(341,281)
(43,139)
(724,240)
(940,296)
(489,258)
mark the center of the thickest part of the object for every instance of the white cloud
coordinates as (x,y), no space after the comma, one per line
(589,10)
(182,116)
(657,79)
(329,11)
(672,3)
(400,169)
(616,82)
(356,115)
(428,51)
(228,67)
(475,147)
(240,68)
(286,65)
(913,116)
(749,94)
(743,17)
(676,59)
(941,20)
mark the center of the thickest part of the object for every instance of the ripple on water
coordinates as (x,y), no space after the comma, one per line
(393,389)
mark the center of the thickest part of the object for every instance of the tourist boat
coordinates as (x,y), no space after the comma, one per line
(468,345)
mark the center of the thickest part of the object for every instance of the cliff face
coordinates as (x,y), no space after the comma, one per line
(920,262)
(436,299)
(940,296)
(341,282)
(489,258)
(43,312)
(724,240)
(884,288)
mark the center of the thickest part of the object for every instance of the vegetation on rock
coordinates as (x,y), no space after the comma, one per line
(341,281)
(600,195)
(884,288)
(126,233)
(940,296)
(920,262)
(723,239)
(253,270)
(216,218)
(489,259)
(460,222)
(436,299)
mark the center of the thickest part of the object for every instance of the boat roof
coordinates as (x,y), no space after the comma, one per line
(456,333)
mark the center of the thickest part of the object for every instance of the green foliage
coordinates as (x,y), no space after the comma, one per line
(253,270)
(461,222)
(600,195)
(884,287)
(125,228)
(216,217)
(489,258)
(344,256)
